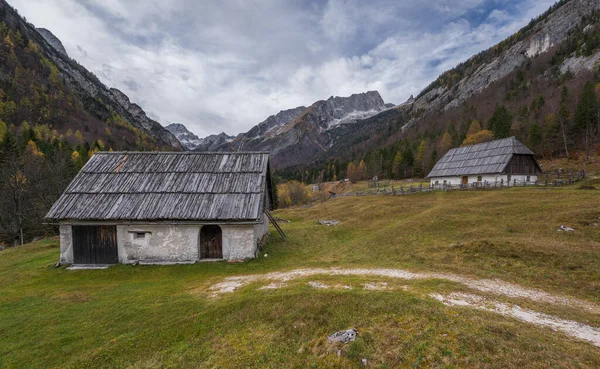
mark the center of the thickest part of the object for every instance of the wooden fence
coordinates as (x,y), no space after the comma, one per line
(544,180)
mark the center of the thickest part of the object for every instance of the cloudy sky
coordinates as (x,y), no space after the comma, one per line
(227,65)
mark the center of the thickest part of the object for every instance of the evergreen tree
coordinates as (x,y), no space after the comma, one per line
(397,165)
(500,122)
(585,115)
(564,117)
(535,136)
(433,160)
(408,161)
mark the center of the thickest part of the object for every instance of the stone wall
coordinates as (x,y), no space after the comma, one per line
(160,243)
(172,243)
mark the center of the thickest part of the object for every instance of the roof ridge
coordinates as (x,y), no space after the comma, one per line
(181,152)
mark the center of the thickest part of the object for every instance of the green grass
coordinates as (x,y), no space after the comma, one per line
(159,317)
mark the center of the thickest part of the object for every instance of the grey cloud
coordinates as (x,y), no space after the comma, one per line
(226,66)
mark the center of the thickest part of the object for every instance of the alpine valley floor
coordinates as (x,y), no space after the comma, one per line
(448,280)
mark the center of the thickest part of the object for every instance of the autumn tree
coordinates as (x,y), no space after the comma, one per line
(351,172)
(474,128)
(476,134)
(361,170)
(445,143)
(420,158)
(479,137)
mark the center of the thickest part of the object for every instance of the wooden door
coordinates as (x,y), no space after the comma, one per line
(211,242)
(95,245)
(465,180)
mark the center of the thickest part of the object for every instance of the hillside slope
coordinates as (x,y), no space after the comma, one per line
(530,84)
(99,103)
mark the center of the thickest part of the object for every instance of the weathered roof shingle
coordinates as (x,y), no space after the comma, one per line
(166,186)
(484,158)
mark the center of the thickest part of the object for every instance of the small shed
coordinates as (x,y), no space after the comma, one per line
(504,160)
(163,207)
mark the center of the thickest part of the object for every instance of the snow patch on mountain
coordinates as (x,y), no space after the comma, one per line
(188,140)
(354,116)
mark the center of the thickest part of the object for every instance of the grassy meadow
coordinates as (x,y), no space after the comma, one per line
(164,316)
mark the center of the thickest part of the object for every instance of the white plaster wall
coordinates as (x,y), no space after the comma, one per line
(172,243)
(261,229)
(164,243)
(490,178)
(239,241)
(66,244)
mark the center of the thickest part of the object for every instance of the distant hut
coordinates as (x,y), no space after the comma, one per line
(504,160)
(151,207)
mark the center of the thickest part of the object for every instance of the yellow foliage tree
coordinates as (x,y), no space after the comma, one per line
(397,165)
(79,136)
(446,143)
(421,151)
(292,193)
(351,171)
(474,128)
(479,137)
(3,130)
(24,126)
(361,170)
(75,155)
(33,149)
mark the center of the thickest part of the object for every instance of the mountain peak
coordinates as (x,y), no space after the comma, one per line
(190,141)
(299,134)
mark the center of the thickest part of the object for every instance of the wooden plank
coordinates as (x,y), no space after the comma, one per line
(277,227)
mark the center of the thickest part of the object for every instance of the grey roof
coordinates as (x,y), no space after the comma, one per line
(167,186)
(484,158)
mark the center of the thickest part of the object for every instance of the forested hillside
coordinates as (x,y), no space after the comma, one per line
(550,102)
(46,134)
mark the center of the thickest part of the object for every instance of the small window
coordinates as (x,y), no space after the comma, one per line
(479,178)
(139,235)
(528,178)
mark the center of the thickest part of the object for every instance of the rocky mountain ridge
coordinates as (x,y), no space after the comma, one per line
(97,99)
(302,133)
(482,70)
(190,141)
(52,40)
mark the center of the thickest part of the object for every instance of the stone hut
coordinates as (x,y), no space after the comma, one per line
(165,207)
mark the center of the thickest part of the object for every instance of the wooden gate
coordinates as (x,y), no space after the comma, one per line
(95,244)
(211,242)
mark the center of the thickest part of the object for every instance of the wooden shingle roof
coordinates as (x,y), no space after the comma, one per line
(167,186)
(484,158)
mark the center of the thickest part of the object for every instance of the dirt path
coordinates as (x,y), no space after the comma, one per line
(571,328)
(493,286)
